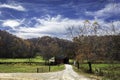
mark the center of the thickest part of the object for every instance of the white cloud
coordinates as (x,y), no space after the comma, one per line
(54,26)
(13,6)
(28,35)
(108,10)
(11,23)
(114,27)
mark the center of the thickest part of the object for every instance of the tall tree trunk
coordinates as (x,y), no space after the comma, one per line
(78,66)
(90,66)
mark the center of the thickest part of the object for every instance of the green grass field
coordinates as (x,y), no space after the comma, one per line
(111,71)
(27,68)
(20,65)
(37,59)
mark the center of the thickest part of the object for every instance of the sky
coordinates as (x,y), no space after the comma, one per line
(37,18)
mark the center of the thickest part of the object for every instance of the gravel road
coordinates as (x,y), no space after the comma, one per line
(67,74)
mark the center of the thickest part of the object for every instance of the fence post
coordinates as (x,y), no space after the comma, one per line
(37,70)
(49,66)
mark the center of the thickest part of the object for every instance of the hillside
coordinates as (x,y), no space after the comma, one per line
(12,46)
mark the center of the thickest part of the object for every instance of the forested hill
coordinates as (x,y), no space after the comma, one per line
(14,47)
(51,46)
(47,47)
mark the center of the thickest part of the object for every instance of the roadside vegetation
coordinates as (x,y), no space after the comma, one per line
(97,54)
(100,71)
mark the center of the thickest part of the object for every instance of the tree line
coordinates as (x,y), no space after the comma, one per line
(94,48)
(14,47)
(81,48)
(95,42)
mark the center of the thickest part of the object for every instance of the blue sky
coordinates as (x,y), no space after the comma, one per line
(36,18)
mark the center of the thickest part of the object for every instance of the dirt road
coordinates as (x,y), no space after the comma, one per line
(67,74)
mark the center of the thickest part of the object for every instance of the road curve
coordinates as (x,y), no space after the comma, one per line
(67,74)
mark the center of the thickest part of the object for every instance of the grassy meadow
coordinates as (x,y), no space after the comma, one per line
(27,65)
(27,68)
(37,59)
(101,70)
